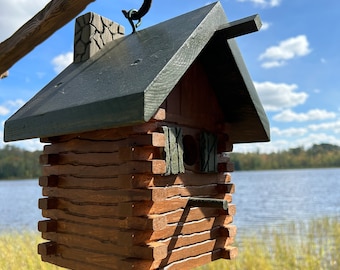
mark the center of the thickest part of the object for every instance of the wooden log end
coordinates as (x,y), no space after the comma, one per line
(158,166)
(47,248)
(229,253)
(48,181)
(228,230)
(153,139)
(158,222)
(49,159)
(48,203)
(47,226)
(159,250)
(231,209)
(158,194)
(224,177)
(225,167)
(160,115)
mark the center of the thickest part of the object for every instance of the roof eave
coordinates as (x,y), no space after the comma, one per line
(106,114)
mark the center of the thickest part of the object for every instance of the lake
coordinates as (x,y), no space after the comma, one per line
(262,198)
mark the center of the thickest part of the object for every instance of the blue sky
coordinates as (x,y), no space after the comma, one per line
(293,61)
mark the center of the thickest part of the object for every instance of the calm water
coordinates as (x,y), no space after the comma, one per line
(262,198)
(277,197)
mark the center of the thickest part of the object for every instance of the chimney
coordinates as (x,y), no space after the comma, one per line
(92,33)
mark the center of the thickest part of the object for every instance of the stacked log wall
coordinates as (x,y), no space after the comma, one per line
(108,204)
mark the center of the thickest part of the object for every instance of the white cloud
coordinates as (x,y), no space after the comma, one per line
(316,114)
(273,64)
(10,105)
(15,103)
(29,145)
(278,96)
(282,145)
(61,61)
(268,147)
(334,126)
(14,13)
(315,138)
(263,3)
(289,132)
(276,56)
(265,26)
(4,110)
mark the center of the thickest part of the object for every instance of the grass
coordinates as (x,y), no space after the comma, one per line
(19,251)
(314,245)
(311,245)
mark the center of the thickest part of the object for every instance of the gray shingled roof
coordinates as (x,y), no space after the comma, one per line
(126,82)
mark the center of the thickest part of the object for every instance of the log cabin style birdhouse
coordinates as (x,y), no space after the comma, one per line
(134,170)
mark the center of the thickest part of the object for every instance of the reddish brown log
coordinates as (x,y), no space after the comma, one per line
(71,264)
(191,239)
(183,229)
(149,223)
(105,196)
(202,259)
(102,159)
(161,206)
(187,179)
(152,251)
(193,250)
(67,181)
(150,166)
(160,115)
(78,145)
(95,259)
(113,134)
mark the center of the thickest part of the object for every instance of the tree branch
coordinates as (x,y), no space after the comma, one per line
(53,16)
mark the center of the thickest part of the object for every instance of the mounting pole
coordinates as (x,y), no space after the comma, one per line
(208,202)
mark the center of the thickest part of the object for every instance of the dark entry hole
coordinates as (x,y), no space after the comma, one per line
(190,150)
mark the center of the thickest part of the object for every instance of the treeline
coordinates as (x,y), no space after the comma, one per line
(318,156)
(16,163)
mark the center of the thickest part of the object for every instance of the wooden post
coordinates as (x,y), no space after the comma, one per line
(4,75)
(52,17)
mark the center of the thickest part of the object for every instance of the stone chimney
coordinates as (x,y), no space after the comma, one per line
(92,33)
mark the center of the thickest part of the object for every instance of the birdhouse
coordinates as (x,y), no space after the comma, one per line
(135,173)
